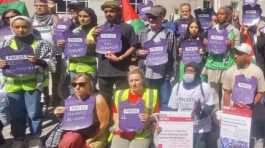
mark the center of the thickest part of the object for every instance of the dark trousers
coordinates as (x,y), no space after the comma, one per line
(106,86)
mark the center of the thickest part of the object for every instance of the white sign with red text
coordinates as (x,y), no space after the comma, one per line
(235,128)
(176,130)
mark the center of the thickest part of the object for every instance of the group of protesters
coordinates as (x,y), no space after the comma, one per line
(107,83)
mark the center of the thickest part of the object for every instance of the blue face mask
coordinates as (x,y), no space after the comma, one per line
(188,78)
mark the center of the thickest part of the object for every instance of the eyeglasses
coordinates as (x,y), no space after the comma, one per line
(81,84)
(9,17)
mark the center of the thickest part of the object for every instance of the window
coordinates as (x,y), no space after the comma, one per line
(135,3)
(61,5)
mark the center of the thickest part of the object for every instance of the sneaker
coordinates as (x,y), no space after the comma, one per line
(18,144)
(35,143)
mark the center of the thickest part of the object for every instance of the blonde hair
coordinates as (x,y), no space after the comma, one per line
(136,70)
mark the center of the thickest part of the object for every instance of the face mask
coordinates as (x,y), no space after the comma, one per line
(188,78)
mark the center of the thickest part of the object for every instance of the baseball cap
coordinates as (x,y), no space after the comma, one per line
(155,11)
(244,47)
(111,4)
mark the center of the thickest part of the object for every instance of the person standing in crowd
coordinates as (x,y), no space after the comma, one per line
(87,63)
(217,63)
(89,127)
(135,130)
(113,67)
(5,31)
(245,73)
(223,38)
(157,65)
(183,21)
(23,90)
(194,96)
(191,48)
(44,21)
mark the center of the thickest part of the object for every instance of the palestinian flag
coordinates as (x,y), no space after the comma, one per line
(13,4)
(131,17)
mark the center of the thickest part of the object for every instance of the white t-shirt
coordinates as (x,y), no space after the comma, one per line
(185,99)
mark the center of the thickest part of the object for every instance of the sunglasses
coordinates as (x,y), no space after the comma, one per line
(81,84)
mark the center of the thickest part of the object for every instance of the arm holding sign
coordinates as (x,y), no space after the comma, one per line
(3,64)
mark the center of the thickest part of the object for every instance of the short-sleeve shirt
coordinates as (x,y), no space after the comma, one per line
(107,68)
(184,99)
(250,71)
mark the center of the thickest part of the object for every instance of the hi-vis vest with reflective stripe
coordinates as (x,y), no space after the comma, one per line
(86,64)
(18,83)
(150,98)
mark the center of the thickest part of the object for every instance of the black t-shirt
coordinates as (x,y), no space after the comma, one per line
(107,68)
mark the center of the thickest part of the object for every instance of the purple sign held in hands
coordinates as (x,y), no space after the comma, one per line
(6,33)
(249,2)
(78,114)
(190,51)
(109,39)
(17,61)
(157,52)
(251,15)
(244,89)
(129,116)
(217,41)
(75,45)
(143,8)
(182,27)
(205,20)
(61,28)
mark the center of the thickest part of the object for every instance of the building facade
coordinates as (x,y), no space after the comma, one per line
(169,4)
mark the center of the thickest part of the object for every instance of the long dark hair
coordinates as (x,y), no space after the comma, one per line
(7,11)
(93,16)
(200,31)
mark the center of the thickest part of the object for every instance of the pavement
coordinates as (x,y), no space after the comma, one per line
(48,124)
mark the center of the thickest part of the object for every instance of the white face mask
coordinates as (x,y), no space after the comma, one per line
(188,78)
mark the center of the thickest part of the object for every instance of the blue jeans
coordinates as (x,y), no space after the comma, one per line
(25,106)
(164,89)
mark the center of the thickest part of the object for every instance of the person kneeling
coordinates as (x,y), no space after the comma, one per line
(86,116)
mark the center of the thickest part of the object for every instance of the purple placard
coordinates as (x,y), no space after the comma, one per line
(157,52)
(6,33)
(78,114)
(217,41)
(244,89)
(190,51)
(129,116)
(143,8)
(182,27)
(251,15)
(109,39)
(17,61)
(61,28)
(249,2)
(75,45)
(205,20)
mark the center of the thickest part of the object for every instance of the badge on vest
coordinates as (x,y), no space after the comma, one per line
(79,114)
(109,40)
(217,41)
(17,61)
(75,45)
(251,15)
(157,52)
(244,89)
(129,116)
(190,51)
